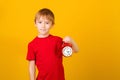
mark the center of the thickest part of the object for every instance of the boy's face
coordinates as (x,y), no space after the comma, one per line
(43,25)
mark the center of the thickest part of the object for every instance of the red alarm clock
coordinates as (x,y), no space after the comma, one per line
(67,49)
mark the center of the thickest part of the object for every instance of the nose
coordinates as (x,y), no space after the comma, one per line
(43,25)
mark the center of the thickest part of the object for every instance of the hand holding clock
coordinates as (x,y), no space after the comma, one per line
(69,46)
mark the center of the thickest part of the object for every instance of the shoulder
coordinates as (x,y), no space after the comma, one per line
(32,42)
(57,38)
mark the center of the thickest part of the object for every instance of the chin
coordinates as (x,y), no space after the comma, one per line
(44,34)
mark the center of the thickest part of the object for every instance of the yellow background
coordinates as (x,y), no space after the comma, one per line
(93,24)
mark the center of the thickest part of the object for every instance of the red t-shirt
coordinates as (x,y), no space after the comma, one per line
(47,53)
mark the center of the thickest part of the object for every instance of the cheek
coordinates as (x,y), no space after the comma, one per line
(38,25)
(48,26)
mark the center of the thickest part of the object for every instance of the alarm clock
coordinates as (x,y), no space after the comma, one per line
(67,49)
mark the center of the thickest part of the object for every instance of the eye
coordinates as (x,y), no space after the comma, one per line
(40,22)
(47,22)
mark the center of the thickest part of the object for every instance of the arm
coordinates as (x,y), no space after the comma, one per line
(32,70)
(68,39)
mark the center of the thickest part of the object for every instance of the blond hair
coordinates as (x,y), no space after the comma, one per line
(45,13)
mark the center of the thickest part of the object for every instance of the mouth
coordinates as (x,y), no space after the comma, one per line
(42,29)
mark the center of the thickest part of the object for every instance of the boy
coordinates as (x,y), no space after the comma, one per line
(45,50)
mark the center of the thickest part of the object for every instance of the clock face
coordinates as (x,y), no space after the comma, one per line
(67,51)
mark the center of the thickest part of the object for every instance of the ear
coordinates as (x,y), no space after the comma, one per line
(52,25)
(35,24)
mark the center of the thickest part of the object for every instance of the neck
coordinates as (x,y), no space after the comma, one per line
(43,36)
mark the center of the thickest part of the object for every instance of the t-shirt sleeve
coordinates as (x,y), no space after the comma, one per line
(30,53)
(59,46)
